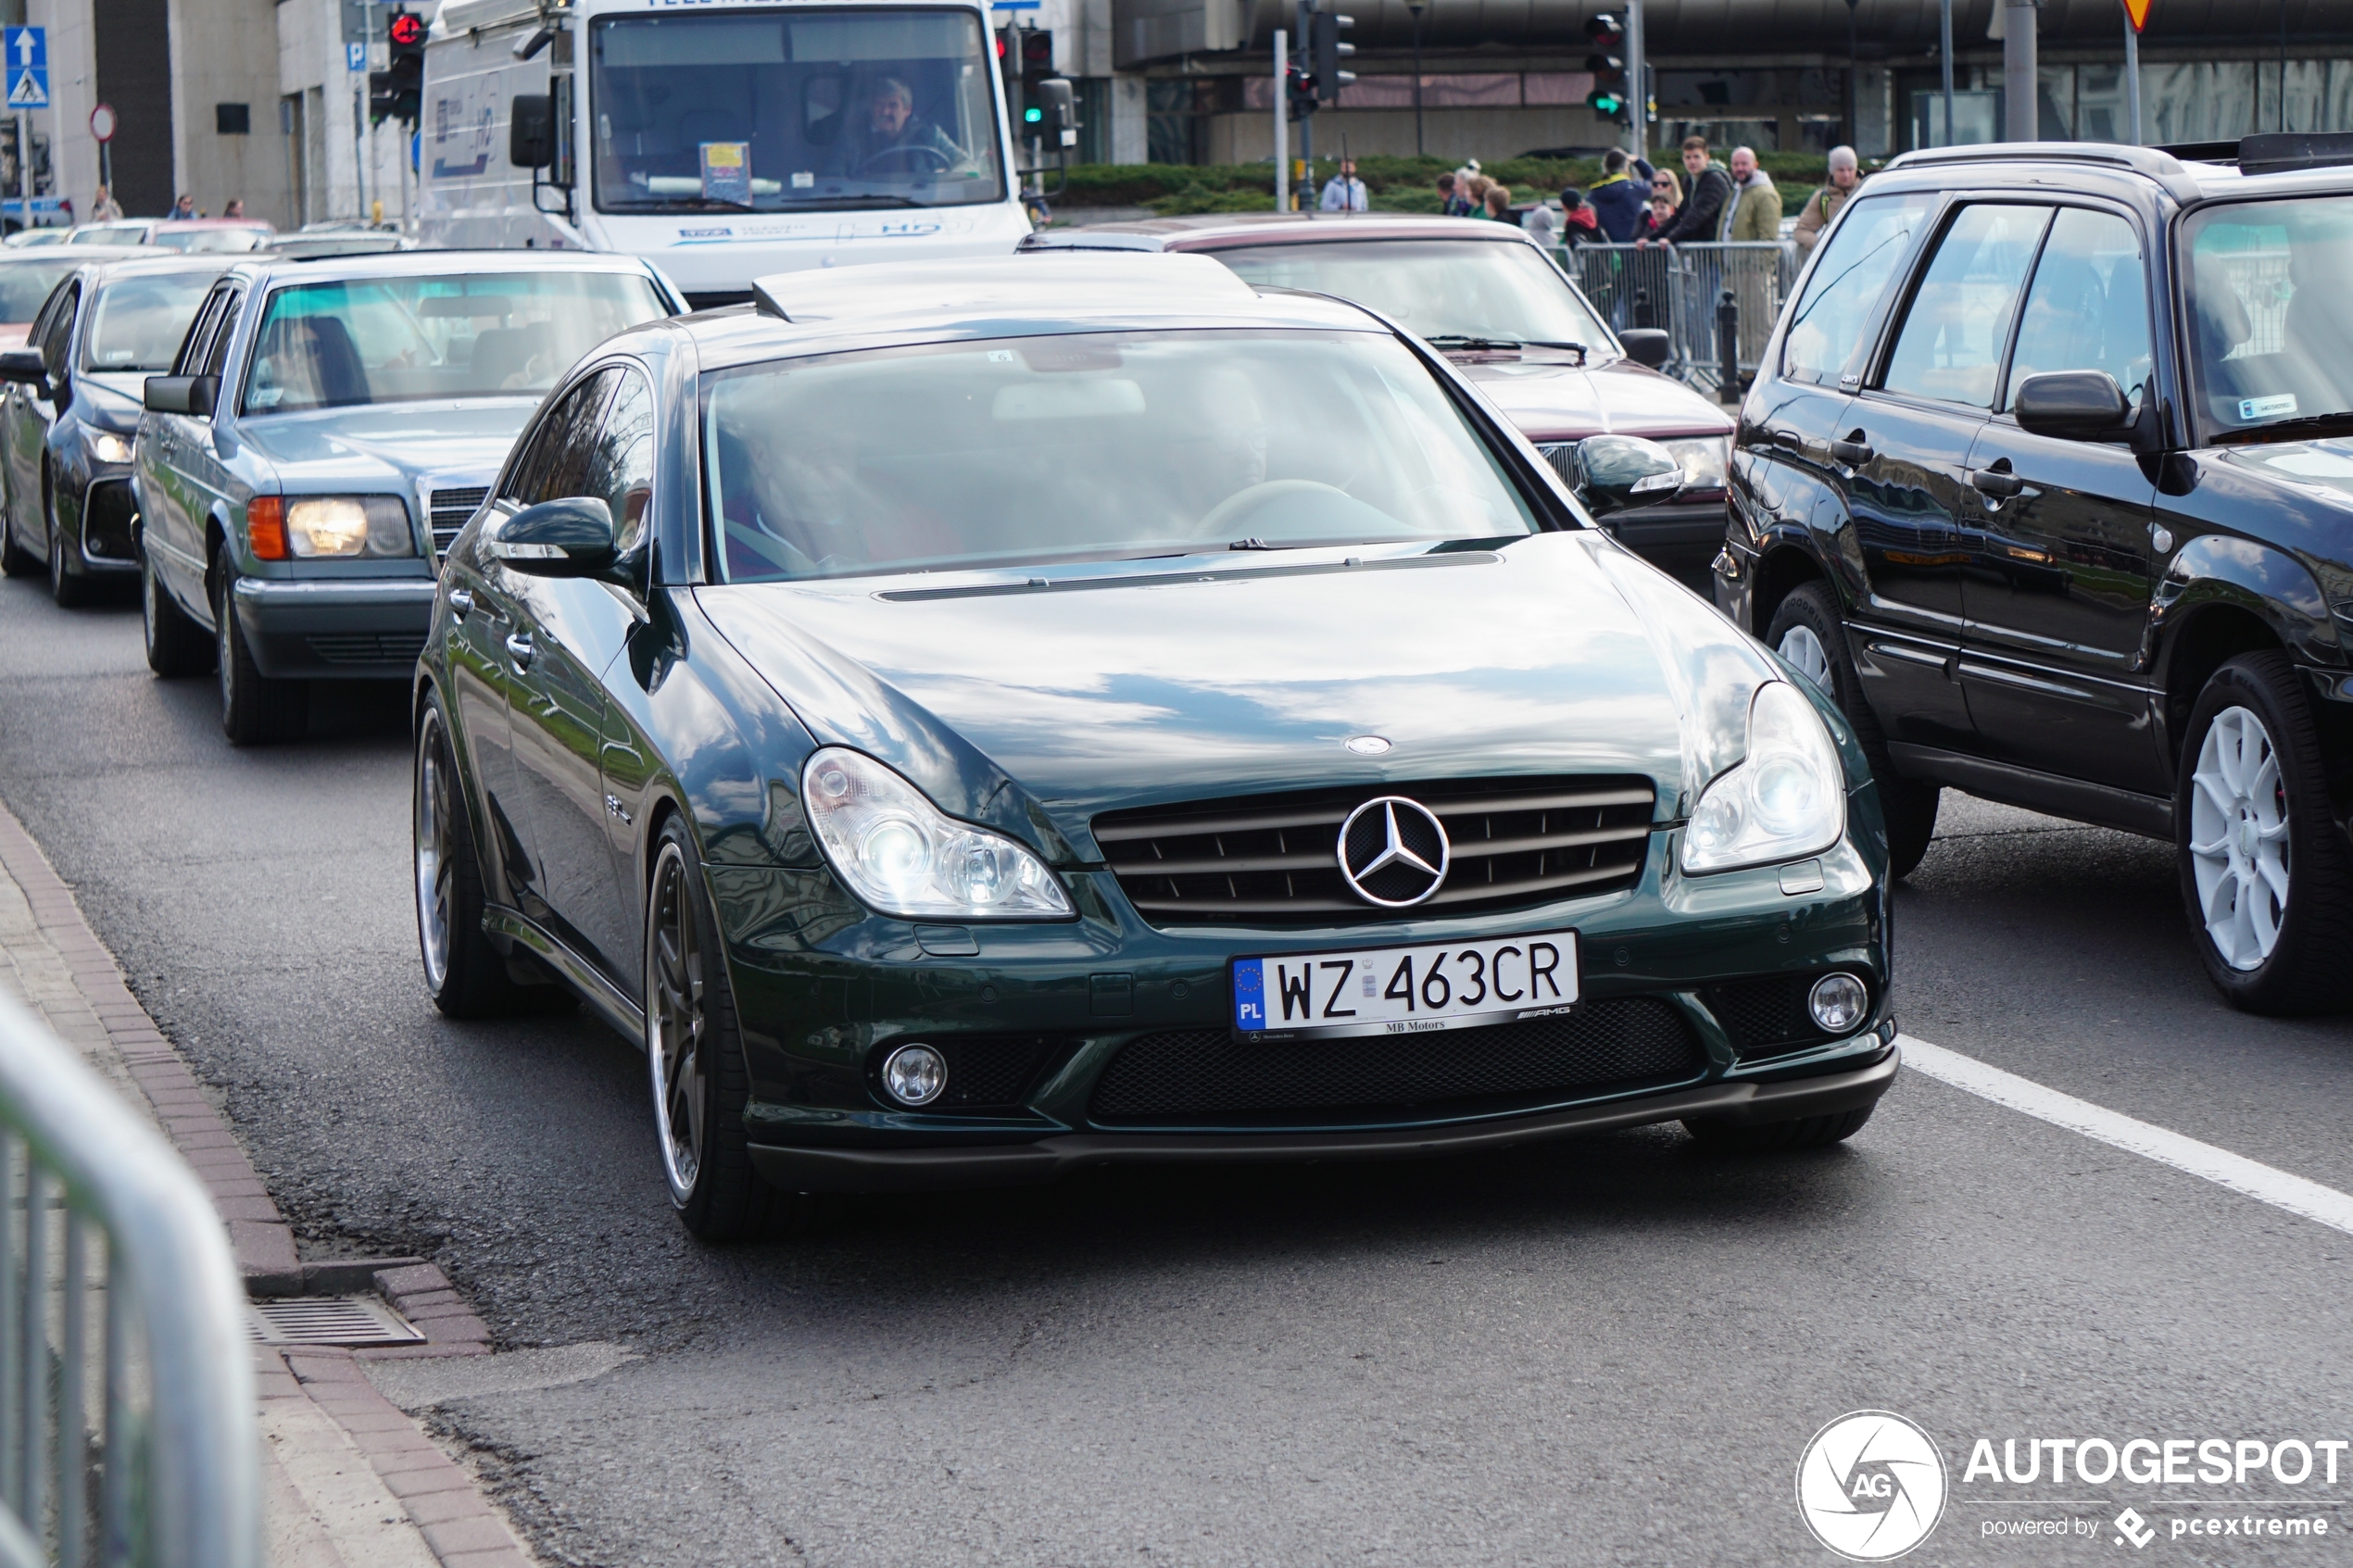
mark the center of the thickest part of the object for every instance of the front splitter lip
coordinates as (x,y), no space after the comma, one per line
(1735,1103)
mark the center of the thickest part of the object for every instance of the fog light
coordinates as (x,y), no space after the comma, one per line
(1838,1003)
(918,1074)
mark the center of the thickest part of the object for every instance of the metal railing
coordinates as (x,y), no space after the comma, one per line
(1681,289)
(127,1422)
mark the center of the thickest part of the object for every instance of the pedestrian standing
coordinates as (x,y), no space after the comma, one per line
(1455,194)
(1498,202)
(1343,192)
(1755,212)
(185,206)
(1702,213)
(104,209)
(1660,213)
(1579,225)
(1663,183)
(1541,225)
(236,207)
(1823,205)
(1617,200)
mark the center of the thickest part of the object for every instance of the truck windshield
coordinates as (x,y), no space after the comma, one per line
(770,111)
(2272,327)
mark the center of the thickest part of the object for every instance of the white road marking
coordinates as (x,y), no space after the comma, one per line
(2265,1183)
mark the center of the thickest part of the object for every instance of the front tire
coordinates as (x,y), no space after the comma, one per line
(1779,1137)
(176,646)
(695,1058)
(15,560)
(1808,633)
(253,708)
(70,588)
(2266,876)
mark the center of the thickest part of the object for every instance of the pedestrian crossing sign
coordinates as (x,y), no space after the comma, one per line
(26,50)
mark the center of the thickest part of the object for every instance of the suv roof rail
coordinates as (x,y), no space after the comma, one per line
(2274,152)
(2155,163)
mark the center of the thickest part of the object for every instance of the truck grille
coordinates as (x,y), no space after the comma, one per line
(1623,1042)
(450,509)
(1273,859)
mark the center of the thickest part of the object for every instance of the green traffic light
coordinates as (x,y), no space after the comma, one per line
(1608,104)
(1033,115)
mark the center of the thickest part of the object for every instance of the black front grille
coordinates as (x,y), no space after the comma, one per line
(984,1072)
(1193,1074)
(106,519)
(366,647)
(1274,860)
(1765,1017)
(1562,455)
(450,509)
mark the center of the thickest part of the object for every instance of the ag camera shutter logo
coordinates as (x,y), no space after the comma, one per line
(1870,1486)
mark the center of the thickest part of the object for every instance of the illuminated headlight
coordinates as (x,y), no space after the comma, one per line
(1784,801)
(108,447)
(902,857)
(348,525)
(1706,459)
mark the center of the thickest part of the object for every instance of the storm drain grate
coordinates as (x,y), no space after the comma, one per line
(328,1320)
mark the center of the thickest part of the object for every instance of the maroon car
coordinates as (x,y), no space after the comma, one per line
(1490,298)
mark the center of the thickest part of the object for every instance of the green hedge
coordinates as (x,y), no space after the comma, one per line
(1396,184)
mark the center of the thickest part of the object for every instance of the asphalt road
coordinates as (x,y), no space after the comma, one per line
(1611,1350)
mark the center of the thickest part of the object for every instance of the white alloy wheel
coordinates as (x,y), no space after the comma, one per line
(1805,653)
(2239,838)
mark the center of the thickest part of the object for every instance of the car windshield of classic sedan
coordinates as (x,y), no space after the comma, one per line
(1091,446)
(1470,291)
(410,339)
(25,286)
(2272,327)
(138,322)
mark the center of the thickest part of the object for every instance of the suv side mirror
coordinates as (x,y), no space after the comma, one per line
(2072,406)
(531,130)
(23,366)
(572,537)
(1646,345)
(1617,473)
(193,395)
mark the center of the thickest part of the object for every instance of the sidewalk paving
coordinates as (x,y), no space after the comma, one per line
(349,1481)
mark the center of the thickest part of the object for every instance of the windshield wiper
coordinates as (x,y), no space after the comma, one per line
(1458,341)
(667,204)
(2279,427)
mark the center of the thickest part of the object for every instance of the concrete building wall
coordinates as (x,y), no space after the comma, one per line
(73,69)
(345,166)
(219,79)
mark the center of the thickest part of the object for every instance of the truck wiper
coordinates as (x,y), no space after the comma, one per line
(668,204)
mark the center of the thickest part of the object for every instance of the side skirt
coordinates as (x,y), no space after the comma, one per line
(2103,805)
(627,1018)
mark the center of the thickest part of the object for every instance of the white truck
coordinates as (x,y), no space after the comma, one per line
(723,140)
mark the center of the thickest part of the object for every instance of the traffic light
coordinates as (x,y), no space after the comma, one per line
(398,93)
(1607,64)
(1299,89)
(1327,51)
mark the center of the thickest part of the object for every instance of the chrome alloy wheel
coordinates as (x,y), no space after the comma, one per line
(435,854)
(2238,838)
(1803,652)
(674,1020)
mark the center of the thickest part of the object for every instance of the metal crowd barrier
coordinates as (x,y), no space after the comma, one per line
(127,1431)
(1681,289)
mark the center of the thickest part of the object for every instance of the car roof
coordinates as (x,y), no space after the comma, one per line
(214,223)
(1217,230)
(824,310)
(262,267)
(145,262)
(2260,165)
(78,255)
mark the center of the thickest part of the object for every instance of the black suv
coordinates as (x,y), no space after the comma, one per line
(2047,478)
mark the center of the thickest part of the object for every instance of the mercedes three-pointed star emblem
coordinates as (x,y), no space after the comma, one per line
(1393,852)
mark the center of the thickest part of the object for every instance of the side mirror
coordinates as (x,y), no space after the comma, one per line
(2072,406)
(531,130)
(1617,473)
(193,395)
(1646,345)
(1059,113)
(23,366)
(572,537)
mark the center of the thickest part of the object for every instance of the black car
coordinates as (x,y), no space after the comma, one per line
(2049,478)
(972,723)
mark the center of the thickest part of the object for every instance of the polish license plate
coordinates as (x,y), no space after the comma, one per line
(1404,990)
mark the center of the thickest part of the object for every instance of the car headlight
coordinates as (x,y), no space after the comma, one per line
(340,525)
(1786,799)
(108,447)
(1706,459)
(902,856)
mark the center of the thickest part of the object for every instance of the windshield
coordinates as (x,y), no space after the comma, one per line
(109,234)
(25,285)
(1438,288)
(1026,450)
(401,340)
(139,321)
(768,111)
(2272,326)
(226,240)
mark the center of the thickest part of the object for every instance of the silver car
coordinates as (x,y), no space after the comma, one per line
(327,429)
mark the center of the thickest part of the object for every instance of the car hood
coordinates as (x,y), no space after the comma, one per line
(1100,687)
(392,444)
(116,399)
(1552,400)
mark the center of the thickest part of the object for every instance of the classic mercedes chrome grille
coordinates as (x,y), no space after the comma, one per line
(1273,859)
(1558,452)
(450,509)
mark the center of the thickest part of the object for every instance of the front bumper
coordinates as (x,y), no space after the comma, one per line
(1680,539)
(363,628)
(1736,1103)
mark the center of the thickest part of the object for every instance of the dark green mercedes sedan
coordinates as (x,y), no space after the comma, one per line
(974,723)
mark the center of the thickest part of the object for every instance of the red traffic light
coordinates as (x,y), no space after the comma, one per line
(1605,31)
(408,29)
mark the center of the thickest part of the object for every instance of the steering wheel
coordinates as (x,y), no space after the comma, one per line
(938,162)
(1220,519)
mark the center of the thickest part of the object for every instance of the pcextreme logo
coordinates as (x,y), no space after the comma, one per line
(1870,1486)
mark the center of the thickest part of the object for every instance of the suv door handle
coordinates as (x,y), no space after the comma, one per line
(1787,438)
(1998,482)
(461,602)
(519,649)
(1854,451)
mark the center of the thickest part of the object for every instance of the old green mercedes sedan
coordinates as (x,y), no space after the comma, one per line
(971,724)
